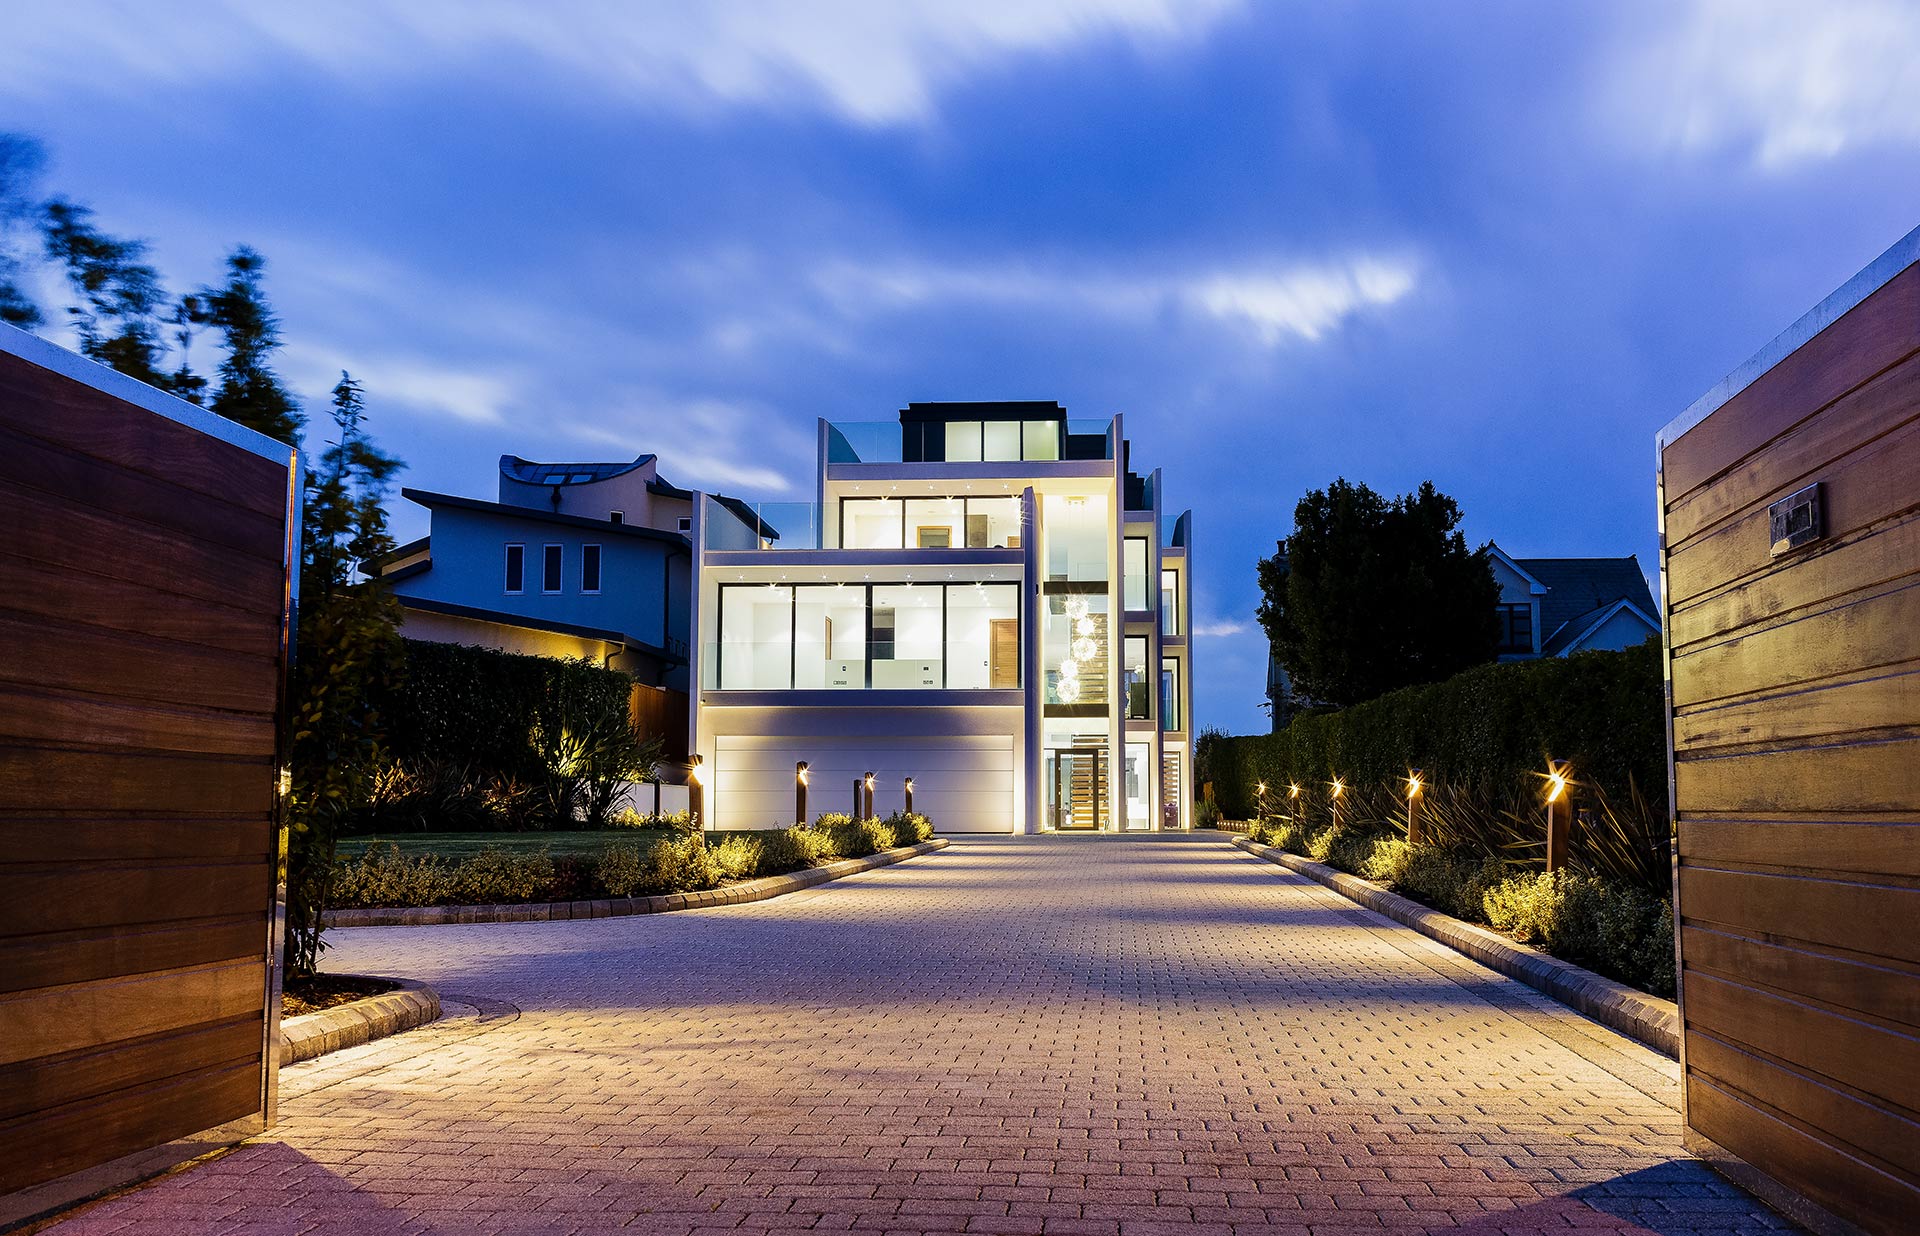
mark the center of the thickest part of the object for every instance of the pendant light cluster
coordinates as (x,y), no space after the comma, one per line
(1081,651)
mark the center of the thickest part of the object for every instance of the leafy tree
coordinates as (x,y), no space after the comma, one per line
(347,646)
(20,162)
(120,300)
(249,391)
(1370,594)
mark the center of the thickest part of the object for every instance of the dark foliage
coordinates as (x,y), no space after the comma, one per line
(1370,594)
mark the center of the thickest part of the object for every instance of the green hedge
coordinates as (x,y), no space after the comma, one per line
(1486,731)
(478,707)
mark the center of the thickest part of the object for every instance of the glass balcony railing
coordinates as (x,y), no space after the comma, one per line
(734,524)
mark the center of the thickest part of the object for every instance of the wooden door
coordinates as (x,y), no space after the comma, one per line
(1003,641)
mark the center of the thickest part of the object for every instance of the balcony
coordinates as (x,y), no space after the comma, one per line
(734,524)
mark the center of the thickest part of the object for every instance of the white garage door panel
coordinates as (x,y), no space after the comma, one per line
(964,783)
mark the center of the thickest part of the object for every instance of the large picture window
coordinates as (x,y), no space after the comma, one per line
(947,521)
(882,637)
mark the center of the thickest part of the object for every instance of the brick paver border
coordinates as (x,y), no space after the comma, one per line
(1641,1017)
(619,907)
(359,1021)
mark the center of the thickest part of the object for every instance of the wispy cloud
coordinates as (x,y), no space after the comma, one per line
(704,442)
(1220,628)
(1273,301)
(871,61)
(472,396)
(1781,85)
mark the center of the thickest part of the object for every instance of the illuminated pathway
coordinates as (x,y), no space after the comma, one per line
(1074,1035)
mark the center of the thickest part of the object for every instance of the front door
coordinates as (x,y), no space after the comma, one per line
(1076,784)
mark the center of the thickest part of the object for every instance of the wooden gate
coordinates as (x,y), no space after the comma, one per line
(1790,503)
(144,601)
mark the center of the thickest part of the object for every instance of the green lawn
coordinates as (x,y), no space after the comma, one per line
(466,845)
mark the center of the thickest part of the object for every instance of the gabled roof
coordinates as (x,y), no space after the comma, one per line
(1575,631)
(1579,587)
(527,472)
(434,501)
(1534,586)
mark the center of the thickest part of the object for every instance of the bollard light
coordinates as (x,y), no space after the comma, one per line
(800,779)
(867,811)
(909,795)
(1333,803)
(1260,801)
(1415,784)
(1559,813)
(696,795)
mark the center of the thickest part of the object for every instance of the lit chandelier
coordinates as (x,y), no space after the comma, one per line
(1081,650)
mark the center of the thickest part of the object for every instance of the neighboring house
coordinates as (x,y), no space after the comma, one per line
(988,606)
(576,560)
(1554,607)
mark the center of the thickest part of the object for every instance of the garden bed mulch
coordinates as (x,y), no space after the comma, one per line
(318,992)
(1644,1018)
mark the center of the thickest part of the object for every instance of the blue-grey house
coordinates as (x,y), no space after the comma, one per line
(575,560)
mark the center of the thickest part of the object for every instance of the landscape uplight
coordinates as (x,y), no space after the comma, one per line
(1559,814)
(909,795)
(800,779)
(696,794)
(1415,834)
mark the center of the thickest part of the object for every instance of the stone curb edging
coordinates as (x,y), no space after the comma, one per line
(619,907)
(1646,1019)
(359,1021)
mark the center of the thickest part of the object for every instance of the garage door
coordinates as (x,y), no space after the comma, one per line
(964,784)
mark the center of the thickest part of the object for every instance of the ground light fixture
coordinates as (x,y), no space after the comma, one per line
(1415,784)
(1559,813)
(909,795)
(696,793)
(800,779)
(867,813)
(1333,801)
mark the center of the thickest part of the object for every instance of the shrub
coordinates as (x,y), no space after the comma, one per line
(1206,814)
(627,817)
(1614,928)
(681,865)
(496,875)
(738,856)
(621,869)
(858,838)
(1347,847)
(1452,880)
(833,819)
(385,877)
(790,849)
(909,828)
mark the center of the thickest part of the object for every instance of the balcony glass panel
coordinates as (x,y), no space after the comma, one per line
(830,637)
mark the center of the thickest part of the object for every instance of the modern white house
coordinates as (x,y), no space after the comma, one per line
(983,597)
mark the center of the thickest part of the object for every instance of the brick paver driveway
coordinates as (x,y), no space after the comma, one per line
(1076,1035)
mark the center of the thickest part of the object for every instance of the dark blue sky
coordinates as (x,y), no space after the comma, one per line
(1493,245)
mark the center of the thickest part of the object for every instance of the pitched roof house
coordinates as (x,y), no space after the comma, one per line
(1553,607)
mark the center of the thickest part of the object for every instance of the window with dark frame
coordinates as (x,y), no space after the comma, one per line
(516,577)
(552,563)
(1516,628)
(590,568)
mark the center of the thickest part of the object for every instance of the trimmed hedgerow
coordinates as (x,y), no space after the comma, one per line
(1486,731)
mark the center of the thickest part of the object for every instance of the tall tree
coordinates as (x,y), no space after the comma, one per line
(21,159)
(1370,594)
(346,647)
(119,298)
(249,391)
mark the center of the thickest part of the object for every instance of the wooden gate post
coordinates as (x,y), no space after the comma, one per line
(1559,814)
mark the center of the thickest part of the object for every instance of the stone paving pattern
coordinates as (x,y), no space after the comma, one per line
(1099,1036)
